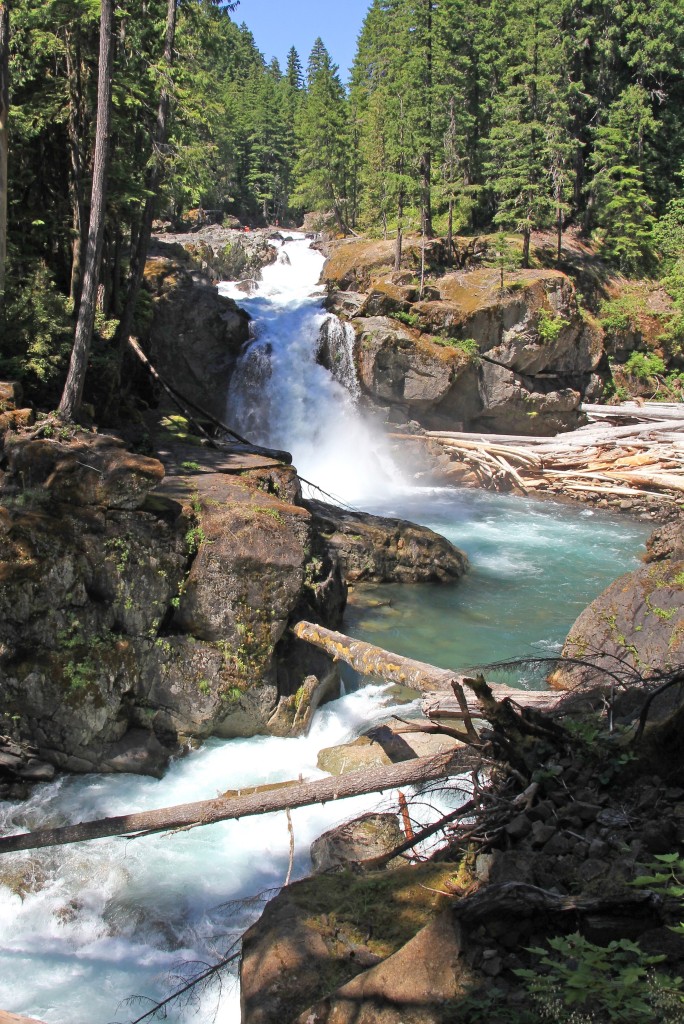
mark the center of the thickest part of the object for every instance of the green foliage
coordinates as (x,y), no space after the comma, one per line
(644,366)
(615,984)
(620,180)
(550,326)
(621,314)
(37,335)
(410,319)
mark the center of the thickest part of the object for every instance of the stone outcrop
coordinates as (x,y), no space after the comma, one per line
(221,253)
(315,936)
(383,745)
(635,628)
(472,358)
(466,354)
(195,335)
(141,613)
(375,549)
(12,415)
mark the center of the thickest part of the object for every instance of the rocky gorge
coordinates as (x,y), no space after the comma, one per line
(147,605)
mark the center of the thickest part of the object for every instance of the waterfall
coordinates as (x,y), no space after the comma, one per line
(295,386)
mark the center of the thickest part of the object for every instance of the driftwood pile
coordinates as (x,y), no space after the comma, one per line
(644,458)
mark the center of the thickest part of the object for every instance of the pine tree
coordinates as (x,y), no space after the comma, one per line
(294,73)
(322,138)
(619,186)
(4,112)
(519,139)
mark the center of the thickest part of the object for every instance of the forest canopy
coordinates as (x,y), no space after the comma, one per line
(512,115)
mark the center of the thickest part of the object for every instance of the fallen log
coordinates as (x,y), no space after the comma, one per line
(369,660)
(263,801)
(439,706)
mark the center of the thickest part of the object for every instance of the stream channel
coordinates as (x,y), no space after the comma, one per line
(84,927)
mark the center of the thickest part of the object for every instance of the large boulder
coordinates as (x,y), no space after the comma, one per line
(633,630)
(131,627)
(349,845)
(318,934)
(92,470)
(376,549)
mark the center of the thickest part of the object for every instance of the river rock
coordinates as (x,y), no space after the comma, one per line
(131,628)
(635,628)
(319,933)
(349,845)
(414,986)
(97,470)
(376,549)
(383,745)
(222,252)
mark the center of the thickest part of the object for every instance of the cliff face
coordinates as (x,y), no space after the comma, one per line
(141,612)
(468,355)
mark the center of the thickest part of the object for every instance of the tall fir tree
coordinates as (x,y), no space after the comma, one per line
(322,140)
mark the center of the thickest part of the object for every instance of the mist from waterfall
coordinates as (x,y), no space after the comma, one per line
(282,396)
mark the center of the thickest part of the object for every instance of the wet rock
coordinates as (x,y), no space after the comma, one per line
(362,839)
(375,549)
(635,623)
(195,336)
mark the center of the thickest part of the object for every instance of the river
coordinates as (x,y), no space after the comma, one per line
(84,927)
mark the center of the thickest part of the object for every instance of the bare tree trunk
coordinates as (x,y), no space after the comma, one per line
(526,248)
(76,176)
(400,232)
(263,800)
(4,139)
(154,176)
(73,389)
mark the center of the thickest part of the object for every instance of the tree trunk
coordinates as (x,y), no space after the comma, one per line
(263,800)
(73,389)
(154,176)
(76,176)
(526,249)
(4,140)
(400,232)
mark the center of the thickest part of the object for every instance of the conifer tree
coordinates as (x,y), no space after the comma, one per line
(322,139)
(294,73)
(624,207)
(4,136)
(518,141)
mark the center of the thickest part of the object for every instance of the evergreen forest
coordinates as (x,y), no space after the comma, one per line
(459,118)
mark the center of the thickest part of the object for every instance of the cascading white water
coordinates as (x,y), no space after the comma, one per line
(84,927)
(283,397)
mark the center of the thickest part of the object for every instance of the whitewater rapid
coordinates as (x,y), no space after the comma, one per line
(281,396)
(84,928)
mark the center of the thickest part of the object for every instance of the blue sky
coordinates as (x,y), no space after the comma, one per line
(279,24)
